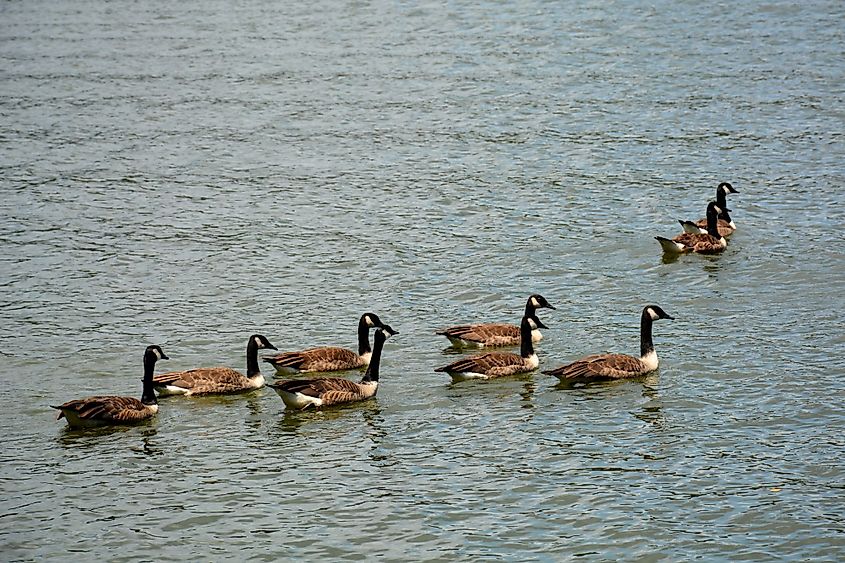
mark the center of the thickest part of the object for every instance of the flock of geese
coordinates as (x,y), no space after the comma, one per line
(705,236)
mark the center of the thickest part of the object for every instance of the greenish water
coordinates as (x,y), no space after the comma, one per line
(190,175)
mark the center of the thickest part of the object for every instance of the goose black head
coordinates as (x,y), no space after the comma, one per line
(371,320)
(155,353)
(260,342)
(535,323)
(727,188)
(388,330)
(538,301)
(656,313)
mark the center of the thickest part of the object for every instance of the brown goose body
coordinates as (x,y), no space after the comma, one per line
(710,243)
(495,334)
(301,394)
(216,380)
(598,367)
(498,364)
(103,410)
(725,228)
(329,358)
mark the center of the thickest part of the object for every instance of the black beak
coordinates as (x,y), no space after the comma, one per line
(549,306)
(667,316)
(389,329)
(539,324)
(164,356)
(271,347)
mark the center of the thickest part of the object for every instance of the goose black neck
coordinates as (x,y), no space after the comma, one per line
(713,223)
(526,344)
(148,395)
(721,198)
(252,368)
(375,360)
(530,309)
(646,343)
(363,337)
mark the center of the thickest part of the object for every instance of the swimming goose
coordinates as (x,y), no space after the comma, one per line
(725,224)
(103,410)
(499,364)
(330,358)
(216,380)
(616,366)
(710,243)
(495,334)
(327,391)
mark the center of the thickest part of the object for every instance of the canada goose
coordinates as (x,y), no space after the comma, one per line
(208,381)
(326,391)
(495,334)
(725,224)
(103,410)
(499,364)
(710,243)
(330,358)
(616,366)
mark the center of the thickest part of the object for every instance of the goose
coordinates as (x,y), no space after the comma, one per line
(725,224)
(330,358)
(495,334)
(710,243)
(110,409)
(499,364)
(616,366)
(216,380)
(327,391)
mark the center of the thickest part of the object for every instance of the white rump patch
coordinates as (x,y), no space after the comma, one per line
(298,401)
(457,377)
(172,390)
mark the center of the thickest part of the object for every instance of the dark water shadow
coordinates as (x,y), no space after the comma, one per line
(292,420)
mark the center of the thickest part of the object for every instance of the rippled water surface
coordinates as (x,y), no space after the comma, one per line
(188,174)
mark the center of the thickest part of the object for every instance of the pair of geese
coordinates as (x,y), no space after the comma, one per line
(705,236)
(328,391)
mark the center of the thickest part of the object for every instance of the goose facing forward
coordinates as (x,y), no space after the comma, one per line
(330,358)
(709,243)
(216,380)
(327,391)
(616,366)
(104,410)
(496,334)
(725,224)
(499,364)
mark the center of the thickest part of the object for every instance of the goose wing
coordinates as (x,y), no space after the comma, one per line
(317,359)
(599,366)
(492,364)
(107,409)
(489,334)
(203,380)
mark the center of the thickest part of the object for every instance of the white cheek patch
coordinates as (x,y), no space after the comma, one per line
(534,302)
(369,321)
(157,353)
(532,324)
(654,316)
(258,342)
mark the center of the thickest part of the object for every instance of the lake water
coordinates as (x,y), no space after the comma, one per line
(188,174)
